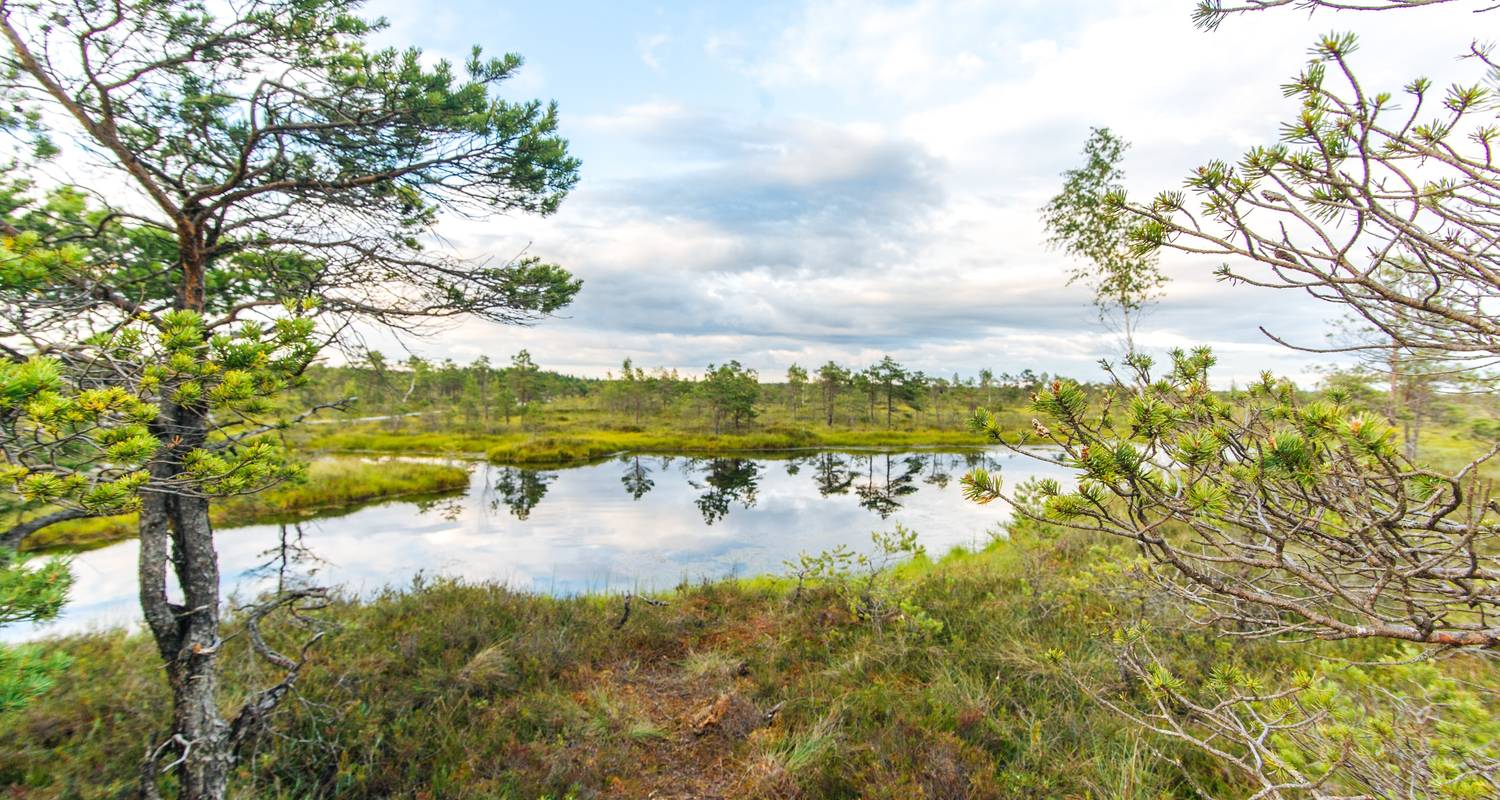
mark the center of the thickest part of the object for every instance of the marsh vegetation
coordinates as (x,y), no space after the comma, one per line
(850,580)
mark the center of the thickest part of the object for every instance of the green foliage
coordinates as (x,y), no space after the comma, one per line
(1403,725)
(731,391)
(302,198)
(1267,469)
(580,444)
(29,595)
(73,443)
(982,486)
(832,380)
(521,378)
(796,383)
(441,406)
(864,583)
(1279,512)
(27,672)
(1277,215)
(1086,220)
(323,486)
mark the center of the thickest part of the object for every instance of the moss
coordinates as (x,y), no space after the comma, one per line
(330,484)
(572,435)
(552,449)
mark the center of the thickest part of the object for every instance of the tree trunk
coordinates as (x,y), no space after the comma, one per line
(175,530)
(1393,393)
(1417,408)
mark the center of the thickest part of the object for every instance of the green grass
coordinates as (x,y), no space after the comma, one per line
(563,449)
(331,484)
(475,691)
(582,436)
(1452,447)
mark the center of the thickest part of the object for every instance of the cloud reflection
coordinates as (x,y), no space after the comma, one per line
(574,530)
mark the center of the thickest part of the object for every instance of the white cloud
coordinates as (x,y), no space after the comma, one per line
(857,46)
(648,46)
(892,206)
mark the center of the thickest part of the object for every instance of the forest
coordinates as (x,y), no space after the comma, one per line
(1101,520)
(728,398)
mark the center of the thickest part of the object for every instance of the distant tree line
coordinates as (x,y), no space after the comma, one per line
(488,393)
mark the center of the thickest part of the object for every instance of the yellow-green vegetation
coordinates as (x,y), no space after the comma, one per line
(522,415)
(579,435)
(329,484)
(565,448)
(1452,446)
(963,678)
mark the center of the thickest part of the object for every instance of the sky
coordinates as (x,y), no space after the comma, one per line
(788,181)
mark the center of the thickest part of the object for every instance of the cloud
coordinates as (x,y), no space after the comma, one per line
(789,195)
(871,184)
(648,46)
(902,49)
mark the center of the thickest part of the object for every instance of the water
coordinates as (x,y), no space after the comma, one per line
(633,523)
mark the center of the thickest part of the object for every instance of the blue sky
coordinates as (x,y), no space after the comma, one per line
(803,181)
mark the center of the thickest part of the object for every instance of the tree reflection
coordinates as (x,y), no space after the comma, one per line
(725,481)
(832,474)
(883,488)
(978,458)
(520,490)
(449,508)
(637,477)
(290,560)
(939,470)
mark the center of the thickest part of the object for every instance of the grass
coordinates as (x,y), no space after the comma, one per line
(1451,447)
(729,689)
(572,432)
(331,484)
(574,436)
(549,449)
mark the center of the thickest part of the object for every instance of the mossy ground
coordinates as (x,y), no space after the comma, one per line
(578,435)
(331,484)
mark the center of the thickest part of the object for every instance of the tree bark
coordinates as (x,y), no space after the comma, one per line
(175,531)
(13,538)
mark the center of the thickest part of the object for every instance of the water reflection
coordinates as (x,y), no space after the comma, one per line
(291,561)
(883,495)
(637,477)
(519,490)
(725,481)
(938,473)
(832,474)
(883,479)
(624,524)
